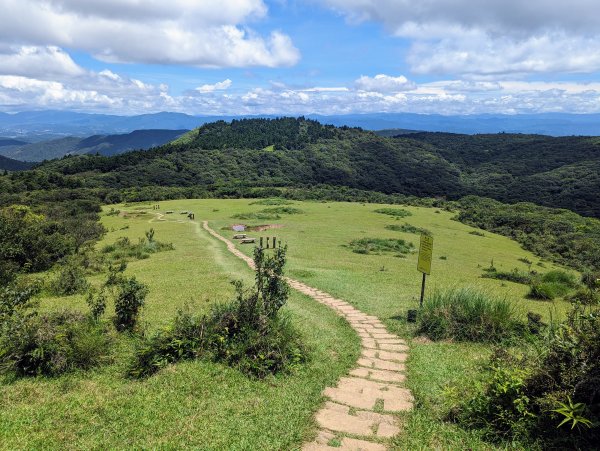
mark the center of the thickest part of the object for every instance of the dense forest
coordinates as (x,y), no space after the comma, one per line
(556,172)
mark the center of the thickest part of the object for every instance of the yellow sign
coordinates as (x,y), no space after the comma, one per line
(425,251)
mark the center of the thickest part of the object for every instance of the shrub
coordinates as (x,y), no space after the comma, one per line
(16,298)
(466,314)
(130,298)
(516,275)
(282,210)
(97,304)
(248,333)
(552,285)
(407,228)
(560,277)
(397,212)
(51,344)
(123,249)
(550,395)
(275,201)
(69,280)
(182,340)
(381,246)
(259,216)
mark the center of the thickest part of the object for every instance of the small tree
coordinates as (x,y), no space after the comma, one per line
(130,299)
(150,235)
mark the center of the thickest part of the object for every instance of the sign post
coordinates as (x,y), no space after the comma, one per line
(424,263)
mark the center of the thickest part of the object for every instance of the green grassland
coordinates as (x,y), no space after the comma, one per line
(210,406)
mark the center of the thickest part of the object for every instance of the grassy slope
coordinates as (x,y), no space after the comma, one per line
(195,404)
(317,256)
(209,406)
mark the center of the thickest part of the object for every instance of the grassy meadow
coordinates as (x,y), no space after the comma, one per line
(210,406)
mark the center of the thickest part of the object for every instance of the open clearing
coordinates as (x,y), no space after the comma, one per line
(210,406)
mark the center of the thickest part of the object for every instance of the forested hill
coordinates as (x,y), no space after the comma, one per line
(8,164)
(557,172)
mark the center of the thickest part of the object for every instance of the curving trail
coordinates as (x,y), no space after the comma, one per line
(358,413)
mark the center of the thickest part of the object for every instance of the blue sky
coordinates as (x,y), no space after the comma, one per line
(300,56)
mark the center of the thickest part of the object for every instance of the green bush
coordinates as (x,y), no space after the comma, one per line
(397,212)
(258,216)
(51,344)
(249,333)
(381,246)
(516,275)
(407,228)
(549,395)
(466,314)
(129,299)
(282,211)
(275,201)
(560,277)
(552,285)
(69,280)
(123,249)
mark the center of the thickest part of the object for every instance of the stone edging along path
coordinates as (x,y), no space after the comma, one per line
(358,415)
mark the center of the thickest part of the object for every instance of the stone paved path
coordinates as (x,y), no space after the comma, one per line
(359,413)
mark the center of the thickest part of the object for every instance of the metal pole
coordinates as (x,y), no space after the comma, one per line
(422,291)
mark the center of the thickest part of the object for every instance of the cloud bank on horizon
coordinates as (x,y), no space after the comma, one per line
(300,56)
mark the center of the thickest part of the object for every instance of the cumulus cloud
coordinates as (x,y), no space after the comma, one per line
(32,61)
(200,33)
(384,83)
(219,86)
(488,37)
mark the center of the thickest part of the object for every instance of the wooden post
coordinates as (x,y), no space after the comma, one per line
(261,242)
(274,241)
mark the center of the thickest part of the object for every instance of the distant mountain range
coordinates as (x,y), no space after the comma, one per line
(102,144)
(42,125)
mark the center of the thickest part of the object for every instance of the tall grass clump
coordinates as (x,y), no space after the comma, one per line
(466,314)
(551,285)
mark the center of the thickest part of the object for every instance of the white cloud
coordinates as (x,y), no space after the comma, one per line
(384,83)
(219,86)
(488,37)
(200,33)
(108,91)
(48,62)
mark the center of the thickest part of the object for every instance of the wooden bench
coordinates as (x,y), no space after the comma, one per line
(248,240)
(239,236)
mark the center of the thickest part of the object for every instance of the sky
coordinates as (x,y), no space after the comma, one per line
(239,57)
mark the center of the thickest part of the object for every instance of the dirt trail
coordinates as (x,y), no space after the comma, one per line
(358,415)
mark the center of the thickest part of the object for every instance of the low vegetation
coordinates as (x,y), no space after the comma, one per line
(407,228)
(467,314)
(548,396)
(377,246)
(249,333)
(395,212)
(552,285)
(123,249)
